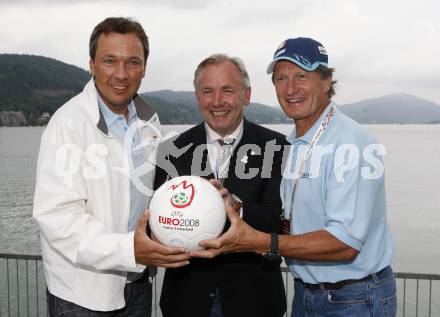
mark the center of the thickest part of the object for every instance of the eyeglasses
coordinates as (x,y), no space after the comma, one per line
(283,79)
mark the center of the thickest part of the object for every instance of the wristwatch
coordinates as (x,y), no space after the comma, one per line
(237,204)
(272,254)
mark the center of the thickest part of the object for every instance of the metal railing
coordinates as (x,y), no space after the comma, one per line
(419,294)
(23,289)
(22,286)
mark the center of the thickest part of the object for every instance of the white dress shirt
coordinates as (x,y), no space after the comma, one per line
(215,149)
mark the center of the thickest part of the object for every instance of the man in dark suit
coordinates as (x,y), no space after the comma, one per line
(247,158)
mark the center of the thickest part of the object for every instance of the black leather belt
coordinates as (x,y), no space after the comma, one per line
(340,284)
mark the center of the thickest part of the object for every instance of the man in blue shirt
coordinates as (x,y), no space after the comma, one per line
(338,243)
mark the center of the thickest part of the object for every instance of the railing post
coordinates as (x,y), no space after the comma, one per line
(7,283)
(404,296)
(36,285)
(18,294)
(430,297)
(417,298)
(155,297)
(27,287)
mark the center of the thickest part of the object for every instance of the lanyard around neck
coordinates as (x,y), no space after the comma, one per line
(288,209)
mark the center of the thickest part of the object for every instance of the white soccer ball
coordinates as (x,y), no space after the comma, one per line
(186,210)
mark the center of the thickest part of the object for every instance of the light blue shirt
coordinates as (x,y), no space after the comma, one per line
(342,193)
(117,127)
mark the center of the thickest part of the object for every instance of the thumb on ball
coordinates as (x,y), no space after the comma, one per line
(143,220)
(146,215)
(230,210)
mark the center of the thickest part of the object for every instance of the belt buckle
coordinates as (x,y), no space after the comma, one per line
(322,286)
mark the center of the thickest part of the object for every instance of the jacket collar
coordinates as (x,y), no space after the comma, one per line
(249,135)
(143,110)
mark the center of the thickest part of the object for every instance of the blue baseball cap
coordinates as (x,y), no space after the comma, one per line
(303,51)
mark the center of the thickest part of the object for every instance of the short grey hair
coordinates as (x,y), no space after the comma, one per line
(217,59)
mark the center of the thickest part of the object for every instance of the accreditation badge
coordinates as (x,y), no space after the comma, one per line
(285,223)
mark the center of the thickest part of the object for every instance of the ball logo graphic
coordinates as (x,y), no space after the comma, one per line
(185,210)
(181,199)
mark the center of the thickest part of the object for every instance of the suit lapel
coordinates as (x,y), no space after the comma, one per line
(199,139)
(249,137)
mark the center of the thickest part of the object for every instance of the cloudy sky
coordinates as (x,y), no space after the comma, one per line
(377,47)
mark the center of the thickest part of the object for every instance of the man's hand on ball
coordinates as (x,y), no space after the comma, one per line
(150,252)
(226,195)
(239,238)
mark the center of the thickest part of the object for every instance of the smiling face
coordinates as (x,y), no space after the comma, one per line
(118,67)
(221,97)
(302,95)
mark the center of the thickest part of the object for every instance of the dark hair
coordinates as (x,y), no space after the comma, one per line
(217,59)
(326,72)
(118,25)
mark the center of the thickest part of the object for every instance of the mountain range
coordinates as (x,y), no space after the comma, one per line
(180,107)
(395,108)
(33,87)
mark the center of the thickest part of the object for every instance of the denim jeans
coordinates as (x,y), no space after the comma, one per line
(138,297)
(216,310)
(375,297)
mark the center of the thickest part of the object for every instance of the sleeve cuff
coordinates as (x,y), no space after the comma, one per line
(128,254)
(341,235)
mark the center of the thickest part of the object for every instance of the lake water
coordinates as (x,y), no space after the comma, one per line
(412,180)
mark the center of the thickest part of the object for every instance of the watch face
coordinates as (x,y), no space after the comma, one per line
(272,256)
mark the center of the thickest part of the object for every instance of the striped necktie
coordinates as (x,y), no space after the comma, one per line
(224,158)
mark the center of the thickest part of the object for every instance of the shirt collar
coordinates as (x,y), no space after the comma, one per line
(308,136)
(212,136)
(131,111)
(109,116)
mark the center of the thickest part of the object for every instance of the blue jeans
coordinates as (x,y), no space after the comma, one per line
(375,297)
(138,297)
(216,310)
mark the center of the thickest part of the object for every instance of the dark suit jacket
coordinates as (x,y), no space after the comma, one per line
(248,284)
